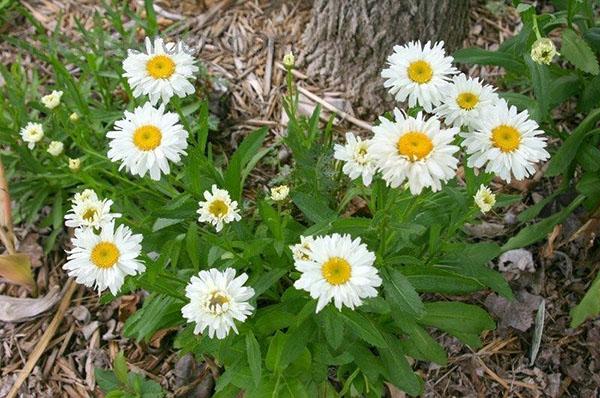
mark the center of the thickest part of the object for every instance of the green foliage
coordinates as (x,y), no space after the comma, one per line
(577,159)
(120,383)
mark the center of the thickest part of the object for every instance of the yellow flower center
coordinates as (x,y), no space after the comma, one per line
(105,255)
(414,145)
(467,101)
(506,138)
(89,214)
(216,302)
(147,137)
(420,72)
(218,208)
(160,67)
(336,271)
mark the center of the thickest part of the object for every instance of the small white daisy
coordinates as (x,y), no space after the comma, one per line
(217,300)
(465,101)
(55,148)
(419,73)
(280,193)
(74,164)
(218,209)
(104,260)
(146,140)
(506,142)
(302,250)
(52,100)
(414,149)
(339,269)
(161,72)
(90,212)
(32,133)
(358,161)
(484,199)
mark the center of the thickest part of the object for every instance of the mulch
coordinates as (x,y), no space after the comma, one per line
(242,45)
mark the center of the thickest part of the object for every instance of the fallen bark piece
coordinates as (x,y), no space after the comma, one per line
(13,309)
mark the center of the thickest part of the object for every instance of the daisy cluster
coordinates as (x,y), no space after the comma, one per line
(422,151)
(102,255)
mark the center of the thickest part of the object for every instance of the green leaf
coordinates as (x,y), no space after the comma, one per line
(532,233)
(120,368)
(398,369)
(459,319)
(363,327)
(577,52)
(426,345)
(151,24)
(332,326)
(589,306)
(480,56)
(106,380)
(540,79)
(159,312)
(401,294)
(273,357)
(254,357)
(437,279)
(245,154)
(313,207)
(192,244)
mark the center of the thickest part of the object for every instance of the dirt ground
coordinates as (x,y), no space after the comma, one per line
(243,43)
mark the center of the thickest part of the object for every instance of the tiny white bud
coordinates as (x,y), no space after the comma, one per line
(289,60)
(74,164)
(484,199)
(543,51)
(280,193)
(52,100)
(55,148)
(74,117)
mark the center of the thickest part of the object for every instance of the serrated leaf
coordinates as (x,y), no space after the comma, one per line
(484,57)
(577,52)
(457,318)
(120,368)
(364,328)
(398,370)
(401,294)
(254,357)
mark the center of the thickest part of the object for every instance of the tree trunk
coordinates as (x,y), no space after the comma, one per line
(348,41)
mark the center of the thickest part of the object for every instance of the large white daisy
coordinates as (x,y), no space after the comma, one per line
(506,142)
(218,209)
(217,299)
(414,149)
(358,161)
(339,269)
(89,211)
(146,140)
(418,73)
(104,260)
(465,101)
(161,72)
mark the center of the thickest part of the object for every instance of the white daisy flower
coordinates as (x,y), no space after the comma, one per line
(217,299)
(484,199)
(506,142)
(464,101)
(218,209)
(32,133)
(358,161)
(146,140)
(104,260)
(280,192)
(414,149)
(55,148)
(302,251)
(52,100)
(340,270)
(418,73)
(161,72)
(89,212)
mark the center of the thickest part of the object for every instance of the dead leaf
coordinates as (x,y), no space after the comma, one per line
(548,250)
(394,391)
(485,230)
(14,309)
(518,260)
(32,248)
(128,306)
(16,268)
(517,313)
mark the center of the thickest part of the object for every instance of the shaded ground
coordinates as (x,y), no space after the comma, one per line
(242,45)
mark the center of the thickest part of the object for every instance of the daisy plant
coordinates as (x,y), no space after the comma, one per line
(337,276)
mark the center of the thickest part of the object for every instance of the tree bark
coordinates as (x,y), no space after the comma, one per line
(347,42)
